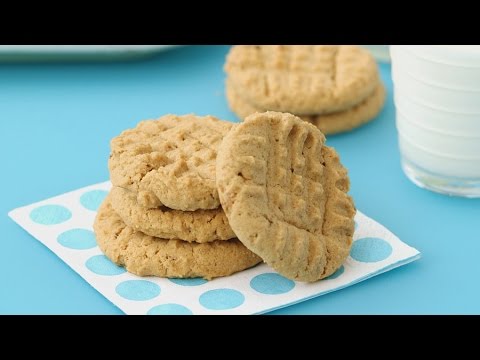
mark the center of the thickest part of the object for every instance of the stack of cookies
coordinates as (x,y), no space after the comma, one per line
(199,197)
(336,88)
(163,215)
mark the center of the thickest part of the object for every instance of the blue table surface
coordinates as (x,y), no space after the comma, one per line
(56,121)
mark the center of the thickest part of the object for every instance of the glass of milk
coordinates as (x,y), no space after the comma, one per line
(437,100)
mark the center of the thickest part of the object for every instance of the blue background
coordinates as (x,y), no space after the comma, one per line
(56,121)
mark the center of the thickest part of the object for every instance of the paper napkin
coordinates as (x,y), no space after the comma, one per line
(64,224)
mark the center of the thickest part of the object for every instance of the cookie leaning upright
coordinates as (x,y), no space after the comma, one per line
(169,161)
(285,195)
(302,79)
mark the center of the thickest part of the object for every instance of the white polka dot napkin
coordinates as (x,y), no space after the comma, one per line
(64,224)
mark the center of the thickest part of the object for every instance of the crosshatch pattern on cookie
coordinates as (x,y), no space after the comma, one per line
(285,195)
(170,161)
(302,79)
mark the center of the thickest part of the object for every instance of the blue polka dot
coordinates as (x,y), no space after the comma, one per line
(91,200)
(337,273)
(50,214)
(271,284)
(78,239)
(189,282)
(370,250)
(169,309)
(138,290)
(101,265)
(221,299)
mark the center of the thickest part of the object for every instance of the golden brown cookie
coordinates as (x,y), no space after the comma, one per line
(145,255)
(329,124)
(302,79)
(194,226)
(285,195)
(169,161)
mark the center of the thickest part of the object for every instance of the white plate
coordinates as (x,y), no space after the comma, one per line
(77,52)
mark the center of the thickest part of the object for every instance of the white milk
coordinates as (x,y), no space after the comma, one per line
(437,99)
